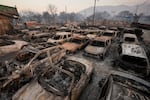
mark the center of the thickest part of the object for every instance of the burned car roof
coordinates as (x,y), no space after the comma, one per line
(31,49)
(102,38)
(109,31)
(129,35)
(63,33)
(130,38)
(123,86)
(133,50)
(79,36)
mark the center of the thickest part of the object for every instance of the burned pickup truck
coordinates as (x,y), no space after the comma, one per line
(123,86)
(39,62)
(64,81)
(132,57)
(98,47)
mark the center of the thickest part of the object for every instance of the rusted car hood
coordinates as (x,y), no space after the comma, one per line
(94,49)
(70,46)
(34,91)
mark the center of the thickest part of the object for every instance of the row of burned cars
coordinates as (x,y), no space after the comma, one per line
(44,67)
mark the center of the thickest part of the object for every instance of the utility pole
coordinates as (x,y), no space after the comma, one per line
(94,12)
(66,14)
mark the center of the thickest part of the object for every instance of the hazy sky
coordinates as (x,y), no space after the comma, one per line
(71,5)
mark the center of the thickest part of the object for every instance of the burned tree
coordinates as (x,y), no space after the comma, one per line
(53,12)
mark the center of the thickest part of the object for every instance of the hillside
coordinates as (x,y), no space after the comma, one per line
(113,10)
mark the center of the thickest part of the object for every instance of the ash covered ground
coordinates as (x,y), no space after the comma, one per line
(101,68)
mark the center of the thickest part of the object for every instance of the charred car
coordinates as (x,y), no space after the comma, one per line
(123,86)
(98,47)
(113,28)
(28,51)
(91,34)
(60,37)
(32,33)
(110,33)
(130,38)
(132,57)
(8,46)
(31,66)
(76,43)
(64,81)
(102,27)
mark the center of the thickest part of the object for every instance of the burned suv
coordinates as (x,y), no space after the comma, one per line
(60,37)
(132,57)
(98,47)
(63,81)
(123,86)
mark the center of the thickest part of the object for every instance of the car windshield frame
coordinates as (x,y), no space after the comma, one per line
(57,75)
(57,37)
(108,34)
(134,60)
(75,40)
(98,43)
(129,39)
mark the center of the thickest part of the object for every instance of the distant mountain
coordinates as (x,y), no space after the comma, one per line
(113,10)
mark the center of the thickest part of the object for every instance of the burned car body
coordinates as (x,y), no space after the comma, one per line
(110,33)
(41,37)
(113,28)
(98,47)
(132,57)
(34,66)
(91,34)
(28,51)
(122,86)
(130,38)
(102,27)
(8,46)
(136,31)
(30,34)
(60,82)
(37,36)
(60,37)
(76,43)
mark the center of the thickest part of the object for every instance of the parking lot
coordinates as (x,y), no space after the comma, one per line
(102,68)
